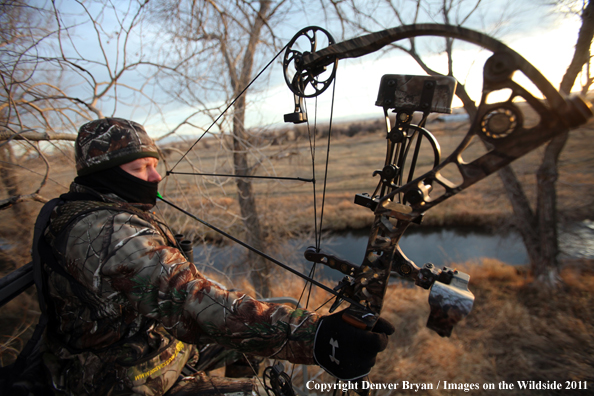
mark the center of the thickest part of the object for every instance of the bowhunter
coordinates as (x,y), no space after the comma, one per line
(126,308)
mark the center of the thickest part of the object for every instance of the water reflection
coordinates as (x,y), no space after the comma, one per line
(440,246)
(577,240)
(437,245)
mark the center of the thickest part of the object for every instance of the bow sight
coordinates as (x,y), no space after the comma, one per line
(402,197)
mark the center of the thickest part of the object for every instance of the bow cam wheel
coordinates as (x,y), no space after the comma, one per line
(307,83)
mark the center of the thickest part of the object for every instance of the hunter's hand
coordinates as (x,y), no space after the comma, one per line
(346,352)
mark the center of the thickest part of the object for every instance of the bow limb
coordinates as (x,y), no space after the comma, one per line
(504,143)
(367,44)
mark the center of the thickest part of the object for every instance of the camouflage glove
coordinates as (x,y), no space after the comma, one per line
(346,352)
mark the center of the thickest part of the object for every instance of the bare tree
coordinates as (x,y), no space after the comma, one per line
(227,39)
(66,63)
(62,64)
(22,27)
(546,266)
(538,226)
(48,86)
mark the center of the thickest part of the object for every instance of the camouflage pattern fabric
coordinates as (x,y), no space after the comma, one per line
(108,142)
(129,322)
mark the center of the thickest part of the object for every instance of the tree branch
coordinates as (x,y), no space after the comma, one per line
(37,136)
(7,203)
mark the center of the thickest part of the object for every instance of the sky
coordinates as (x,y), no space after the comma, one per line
(548,48)
(544,39)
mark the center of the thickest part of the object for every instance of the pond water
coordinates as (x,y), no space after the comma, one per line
(577,240)
(438,245)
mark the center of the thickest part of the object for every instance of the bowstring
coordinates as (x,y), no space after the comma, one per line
(312,143)
(317,231)
(227,108)
(312,148)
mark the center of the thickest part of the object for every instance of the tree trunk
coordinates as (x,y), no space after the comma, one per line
(539,231)
(547,270)
(525,221)
(582,49)
(259,267)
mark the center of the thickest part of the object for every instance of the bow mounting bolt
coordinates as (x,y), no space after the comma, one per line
(418,195)
(396,135)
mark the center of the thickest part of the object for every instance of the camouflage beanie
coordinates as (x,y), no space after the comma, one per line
(109,142)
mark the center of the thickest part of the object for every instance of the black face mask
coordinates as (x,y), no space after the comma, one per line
(119,182)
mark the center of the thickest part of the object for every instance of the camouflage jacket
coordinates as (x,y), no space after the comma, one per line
(126,320)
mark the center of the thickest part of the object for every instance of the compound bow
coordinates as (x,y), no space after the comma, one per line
(396,202)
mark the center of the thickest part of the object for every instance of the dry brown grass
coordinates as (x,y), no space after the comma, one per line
(287,206)
(514,331)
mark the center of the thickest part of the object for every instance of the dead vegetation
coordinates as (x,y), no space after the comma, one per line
(287,207)
(515,332)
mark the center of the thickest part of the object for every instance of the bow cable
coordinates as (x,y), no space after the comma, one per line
(312,144)
(312,150)
(244,176)
(317,233)
(319,241)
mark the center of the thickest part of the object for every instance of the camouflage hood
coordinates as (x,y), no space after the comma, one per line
(109,142)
